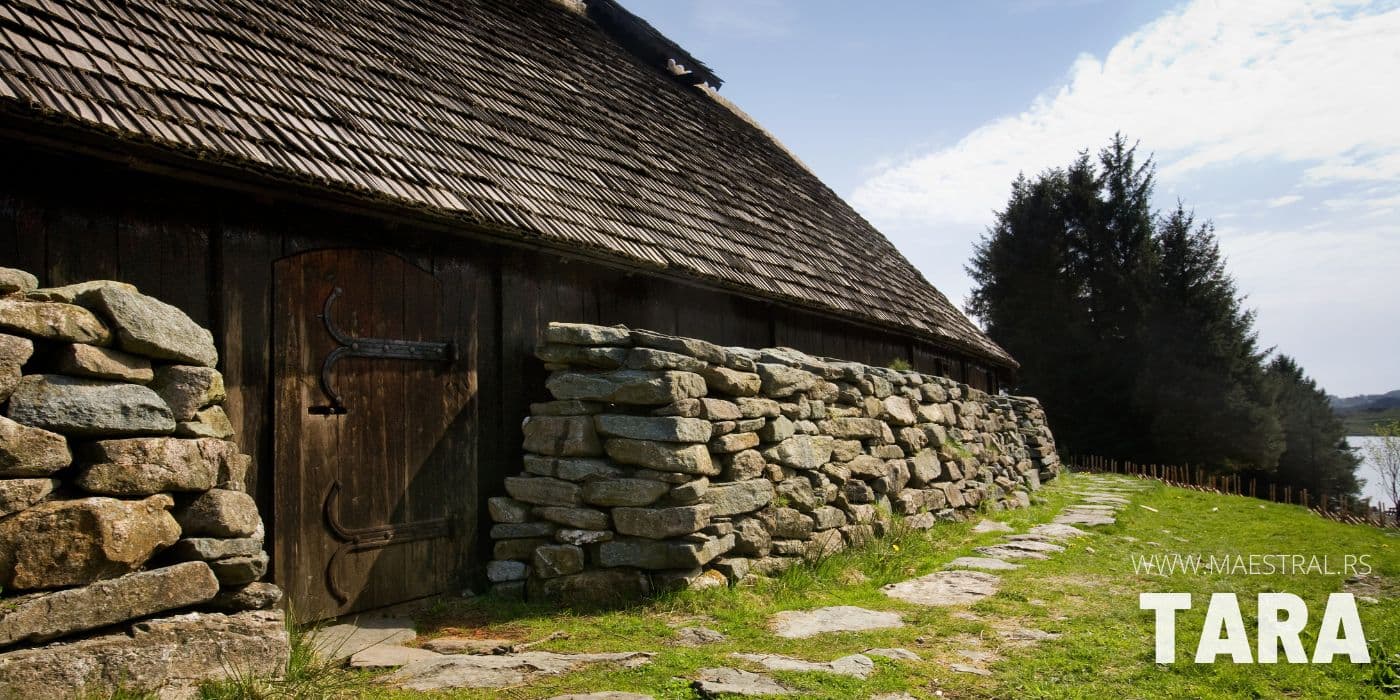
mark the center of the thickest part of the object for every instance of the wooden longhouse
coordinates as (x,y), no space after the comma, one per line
(299,175)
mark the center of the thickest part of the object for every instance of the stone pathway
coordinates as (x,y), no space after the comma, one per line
(608,695)
(983,563)
(449,671)
(963,581)
(949,587)
(460,662)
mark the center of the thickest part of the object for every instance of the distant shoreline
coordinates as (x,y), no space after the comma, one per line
(1363,422)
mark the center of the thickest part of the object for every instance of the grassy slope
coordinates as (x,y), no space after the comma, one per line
(1088,594)
(1364,422)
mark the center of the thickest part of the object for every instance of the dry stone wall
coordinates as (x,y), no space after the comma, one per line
(666,461)
(121,499)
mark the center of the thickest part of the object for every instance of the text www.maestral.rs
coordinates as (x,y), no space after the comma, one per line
(1251,564)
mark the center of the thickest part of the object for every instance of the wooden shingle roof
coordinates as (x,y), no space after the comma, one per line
(519,114)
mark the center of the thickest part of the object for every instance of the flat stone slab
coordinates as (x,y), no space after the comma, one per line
(1029,537)
(1008,551)
(1074,516)
(466,645)
(472,671)
(1028,634)
(1034,546)
(347,639)
(695,636)
(956,587)
(896,653)
(715,682)
(389,656)
(800,624)
(1057,531)
(981,563)
(964,668)
(1093,507)
(606,695)
(855,665)
(1107,500)
(991,526)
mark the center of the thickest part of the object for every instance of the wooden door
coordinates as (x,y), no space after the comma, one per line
(375,429)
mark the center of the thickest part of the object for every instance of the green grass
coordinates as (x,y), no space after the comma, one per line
(1365,422)
(1088,594)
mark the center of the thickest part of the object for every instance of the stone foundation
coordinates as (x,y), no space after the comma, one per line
(121,499)
(668,461)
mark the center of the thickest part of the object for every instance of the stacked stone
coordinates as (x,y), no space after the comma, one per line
(121,493)
(667,461)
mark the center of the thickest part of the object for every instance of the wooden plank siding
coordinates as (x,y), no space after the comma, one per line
(211,252)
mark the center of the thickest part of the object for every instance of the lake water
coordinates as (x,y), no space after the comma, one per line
(1367,470)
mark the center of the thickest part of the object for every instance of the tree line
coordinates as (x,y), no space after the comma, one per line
(1135,337)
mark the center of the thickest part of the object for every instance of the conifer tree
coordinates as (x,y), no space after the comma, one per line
(1133,334)
(1201,376)
(1315,456)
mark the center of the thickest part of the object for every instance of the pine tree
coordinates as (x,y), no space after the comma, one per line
(1316,456)
(1028,301)
(1062,281)
(1131,331)
(1201,377)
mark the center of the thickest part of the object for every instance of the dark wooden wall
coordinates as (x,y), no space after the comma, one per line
(211,252)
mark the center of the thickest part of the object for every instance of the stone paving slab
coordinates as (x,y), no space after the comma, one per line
(896,654)
(695,636)
(982,564)
(964,668)
(344,640)
(1107,500)
(854,665)
(955,587)
(389,656)
(466,645)
(991,526)
(1006,551)
(716,682)
(1072,517)
(475,671)
(800,624)
(1030,537)
(605,695)
(1027,634)
(1057,531)
(1034,546)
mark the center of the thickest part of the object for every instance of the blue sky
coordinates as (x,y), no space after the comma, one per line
(1279,120)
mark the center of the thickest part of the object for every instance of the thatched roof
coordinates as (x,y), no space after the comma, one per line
(523,116)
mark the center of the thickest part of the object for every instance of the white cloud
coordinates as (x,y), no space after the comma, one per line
(1210,84)
(1223,92)
(1284,201)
